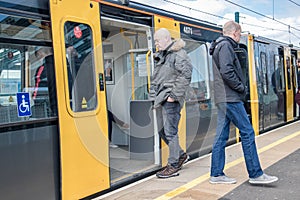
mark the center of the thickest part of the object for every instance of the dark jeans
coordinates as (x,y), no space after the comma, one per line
(235,113)
(168,116)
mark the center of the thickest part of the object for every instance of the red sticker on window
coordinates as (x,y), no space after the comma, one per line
(77,32)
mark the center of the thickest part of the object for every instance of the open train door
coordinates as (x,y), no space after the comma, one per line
(289,85)
(81,97)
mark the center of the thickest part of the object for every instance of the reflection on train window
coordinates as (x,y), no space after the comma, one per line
(80,67)
(289,73)
(24,68)
(277,76)
(198,89)
(24,29)
(263,59)
(294,70)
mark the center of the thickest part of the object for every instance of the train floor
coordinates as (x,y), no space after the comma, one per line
(279,152)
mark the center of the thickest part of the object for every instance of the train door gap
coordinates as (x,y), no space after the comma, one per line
(127,54)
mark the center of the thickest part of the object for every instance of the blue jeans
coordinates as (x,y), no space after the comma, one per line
(234,112)
(168,116)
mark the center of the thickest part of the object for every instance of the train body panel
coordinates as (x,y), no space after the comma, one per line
(80,62)
(30,162)
(273,83)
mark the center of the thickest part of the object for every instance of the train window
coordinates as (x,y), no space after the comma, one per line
(80,67)
(198,53)
(24,29)
(263,59)
(10,77)
(26,68)
(21,70)
(289,72)
(277,76)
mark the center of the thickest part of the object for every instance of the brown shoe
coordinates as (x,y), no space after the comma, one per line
(167,172)
(182,160)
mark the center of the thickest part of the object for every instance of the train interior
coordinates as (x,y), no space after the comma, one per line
(127,50)
(128,64)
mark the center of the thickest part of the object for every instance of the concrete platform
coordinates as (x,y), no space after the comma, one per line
(279,152)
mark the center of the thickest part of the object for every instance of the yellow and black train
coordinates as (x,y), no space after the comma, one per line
(65,67)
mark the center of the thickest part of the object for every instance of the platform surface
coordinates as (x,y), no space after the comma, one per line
(279,155)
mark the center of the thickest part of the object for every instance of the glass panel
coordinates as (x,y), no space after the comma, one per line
(80,67)
(10,74)
(26,68)
(298,73)
(263,59)
(24,29)
(199,89)
(278,76)
(137,63)
(198,95)
(289,73)
(43,81)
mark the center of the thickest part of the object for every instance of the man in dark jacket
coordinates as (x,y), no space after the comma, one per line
(171,77)
(229,89)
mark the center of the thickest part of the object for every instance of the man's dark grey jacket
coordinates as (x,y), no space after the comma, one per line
(172,74)
(229,82)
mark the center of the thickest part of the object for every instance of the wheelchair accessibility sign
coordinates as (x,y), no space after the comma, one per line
(23,100)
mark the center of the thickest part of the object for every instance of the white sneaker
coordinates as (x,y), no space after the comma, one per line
(113,145)
(222,180)
(263,179)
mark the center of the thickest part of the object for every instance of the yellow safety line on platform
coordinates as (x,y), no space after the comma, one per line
(206,176)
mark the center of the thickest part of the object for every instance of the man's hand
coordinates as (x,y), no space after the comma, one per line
(170,99)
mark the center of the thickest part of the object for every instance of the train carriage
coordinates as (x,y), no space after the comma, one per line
(273,84)
(64,66)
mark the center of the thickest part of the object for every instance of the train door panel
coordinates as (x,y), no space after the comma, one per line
(276,87)
(81,100)
(263,75)
(295,80)
(278,83)
(289,95)
(259,86)
(198,98)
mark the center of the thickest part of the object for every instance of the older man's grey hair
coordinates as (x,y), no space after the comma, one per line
(230,27)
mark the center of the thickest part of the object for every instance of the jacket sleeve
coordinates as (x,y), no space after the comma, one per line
(228,69)
(153,87)
(184,68)
(152,93)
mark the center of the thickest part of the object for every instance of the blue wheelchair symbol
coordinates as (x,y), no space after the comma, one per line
(23,100)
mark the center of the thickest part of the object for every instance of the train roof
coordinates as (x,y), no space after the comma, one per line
(174,15)
(40,9)
(268,40)
(37,8)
